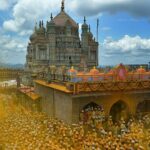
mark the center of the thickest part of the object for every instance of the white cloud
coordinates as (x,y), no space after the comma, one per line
(134,46)
(10,25)
(136,8)
(11,48)
(4,4)
(26,12)
(127,50)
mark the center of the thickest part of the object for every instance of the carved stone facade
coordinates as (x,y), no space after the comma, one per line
(59,44)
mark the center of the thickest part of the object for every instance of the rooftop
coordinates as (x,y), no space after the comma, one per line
(56,86)
(63,18)
(28,91)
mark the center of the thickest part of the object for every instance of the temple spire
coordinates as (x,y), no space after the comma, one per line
(62,5)
(84,19)
(42,24)
(51,16)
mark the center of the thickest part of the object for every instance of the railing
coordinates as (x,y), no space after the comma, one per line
(53,77)
(94,84)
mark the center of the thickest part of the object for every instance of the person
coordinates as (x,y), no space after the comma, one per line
(34,130)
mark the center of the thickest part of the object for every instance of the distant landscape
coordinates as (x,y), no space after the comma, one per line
(8,65)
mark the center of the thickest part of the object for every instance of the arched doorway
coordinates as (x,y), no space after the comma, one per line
(92,113)
(119,110)
(91,105)
(143,107)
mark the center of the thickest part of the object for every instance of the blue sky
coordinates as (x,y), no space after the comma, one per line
(124,28)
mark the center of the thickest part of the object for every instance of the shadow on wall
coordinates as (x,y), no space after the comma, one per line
(119,111)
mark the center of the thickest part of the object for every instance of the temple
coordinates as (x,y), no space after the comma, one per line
(59,44)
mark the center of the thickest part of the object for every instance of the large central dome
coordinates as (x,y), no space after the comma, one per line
(62,18)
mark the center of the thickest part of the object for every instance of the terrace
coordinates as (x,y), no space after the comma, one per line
(118,79)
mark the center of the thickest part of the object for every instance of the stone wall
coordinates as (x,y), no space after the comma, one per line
(107,101)
(28,103)
(55,103)
(47,101)
(67,107)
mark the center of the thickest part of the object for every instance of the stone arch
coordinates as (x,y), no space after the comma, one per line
(92,104)
(143,107)
(90,112)
(119,110)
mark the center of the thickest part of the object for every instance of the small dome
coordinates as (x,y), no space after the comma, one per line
(72,70)
(51,23)
(84,25)
(94,71)
(33,36)
(141,70)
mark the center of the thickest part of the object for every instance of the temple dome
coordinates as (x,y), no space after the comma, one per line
(94,71)
(72,71)
(62,18)
(141,70)
(33,36)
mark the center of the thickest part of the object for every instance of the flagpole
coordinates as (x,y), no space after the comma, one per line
(97,29)
(97,40)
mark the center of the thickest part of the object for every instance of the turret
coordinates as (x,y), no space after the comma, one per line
(51,26)
(84,27)
(33,36)
(62,5)
(84,35)
(90,33)
(41,30)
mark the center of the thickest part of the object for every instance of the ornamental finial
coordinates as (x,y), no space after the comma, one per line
(62,5)
(40,24)
(51,16)
(84,19)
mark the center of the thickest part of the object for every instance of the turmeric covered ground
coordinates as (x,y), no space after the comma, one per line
(24,130)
